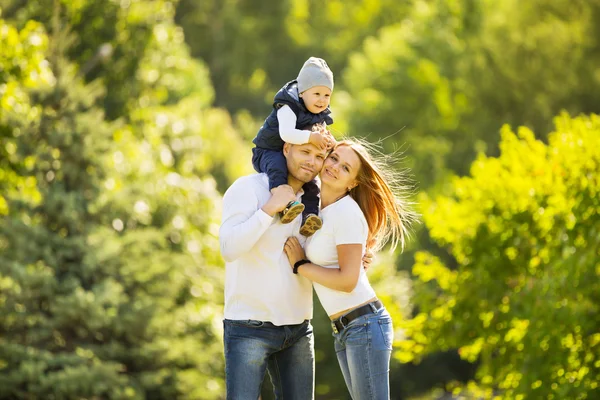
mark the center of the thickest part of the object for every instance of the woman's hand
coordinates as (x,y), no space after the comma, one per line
(368,259)
(293,251)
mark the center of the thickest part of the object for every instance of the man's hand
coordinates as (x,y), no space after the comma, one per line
(281,196)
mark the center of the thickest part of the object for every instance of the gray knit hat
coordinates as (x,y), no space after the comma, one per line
(314,72)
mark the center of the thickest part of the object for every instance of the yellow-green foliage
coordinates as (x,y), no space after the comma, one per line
(22,67)
(524,300)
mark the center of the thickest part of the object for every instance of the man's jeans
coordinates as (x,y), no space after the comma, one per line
(287,352)
(363,350)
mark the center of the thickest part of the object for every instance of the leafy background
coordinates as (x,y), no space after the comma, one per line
(122,123)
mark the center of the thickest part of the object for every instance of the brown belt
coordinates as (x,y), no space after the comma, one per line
(339,324)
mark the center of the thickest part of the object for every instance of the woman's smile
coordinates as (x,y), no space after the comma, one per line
(329,173)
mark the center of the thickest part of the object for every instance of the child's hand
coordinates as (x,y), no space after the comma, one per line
(317,139)
(331,142)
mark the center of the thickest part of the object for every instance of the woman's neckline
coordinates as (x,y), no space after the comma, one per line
(335,201)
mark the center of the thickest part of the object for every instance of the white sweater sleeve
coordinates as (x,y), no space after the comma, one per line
(287,127)
(244,222)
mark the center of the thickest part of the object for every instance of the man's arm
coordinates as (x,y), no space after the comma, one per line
(244,222)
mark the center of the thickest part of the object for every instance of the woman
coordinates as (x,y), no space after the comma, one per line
(361,210)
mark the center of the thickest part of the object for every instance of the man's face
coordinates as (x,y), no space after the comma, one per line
(304,161)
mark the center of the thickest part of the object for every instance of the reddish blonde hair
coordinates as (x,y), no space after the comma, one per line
(381,194)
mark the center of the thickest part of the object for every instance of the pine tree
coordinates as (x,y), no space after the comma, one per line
(51,313)
(101,291)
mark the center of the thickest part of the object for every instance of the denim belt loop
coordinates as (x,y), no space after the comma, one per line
(373,307)
(334,327)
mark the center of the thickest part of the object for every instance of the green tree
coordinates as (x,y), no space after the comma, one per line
(56,304)
(446,77)
(524,298)
(253,47)
(23,67)
(110,274)
(138,53)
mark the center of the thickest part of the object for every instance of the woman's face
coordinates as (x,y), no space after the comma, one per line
(341,169)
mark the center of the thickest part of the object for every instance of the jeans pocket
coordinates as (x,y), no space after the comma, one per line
(356,334)
(387,332)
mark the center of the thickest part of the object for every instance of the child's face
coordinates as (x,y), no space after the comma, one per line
(316,99)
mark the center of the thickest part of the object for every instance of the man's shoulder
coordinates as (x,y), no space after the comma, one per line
(257,182)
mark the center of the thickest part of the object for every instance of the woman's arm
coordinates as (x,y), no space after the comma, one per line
(343,279)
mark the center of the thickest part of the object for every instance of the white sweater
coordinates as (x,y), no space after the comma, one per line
(259,283)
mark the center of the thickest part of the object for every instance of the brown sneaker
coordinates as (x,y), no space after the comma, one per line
(291,212)
(312,224)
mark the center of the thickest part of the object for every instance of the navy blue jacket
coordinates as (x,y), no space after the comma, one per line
(268,135)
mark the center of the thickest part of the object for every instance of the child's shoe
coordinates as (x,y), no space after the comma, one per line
(290,213)
(311,224)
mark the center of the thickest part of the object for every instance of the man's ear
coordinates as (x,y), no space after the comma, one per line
(286,148)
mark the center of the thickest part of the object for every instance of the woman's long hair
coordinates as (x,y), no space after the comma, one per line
(382,195)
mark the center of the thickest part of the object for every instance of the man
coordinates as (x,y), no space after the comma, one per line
(267,308)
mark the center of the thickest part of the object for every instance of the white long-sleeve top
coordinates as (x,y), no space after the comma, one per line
(259,283)
(287,127)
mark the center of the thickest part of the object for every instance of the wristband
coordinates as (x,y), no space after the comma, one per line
(299,263)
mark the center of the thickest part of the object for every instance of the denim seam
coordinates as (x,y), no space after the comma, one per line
(278,377)
(369,350)
(383,334)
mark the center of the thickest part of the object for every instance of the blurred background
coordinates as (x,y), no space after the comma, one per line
(122,123)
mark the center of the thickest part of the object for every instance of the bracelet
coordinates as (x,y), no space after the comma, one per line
(299,263)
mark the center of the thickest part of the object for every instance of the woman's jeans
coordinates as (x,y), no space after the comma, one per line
(254,347)
(363,350)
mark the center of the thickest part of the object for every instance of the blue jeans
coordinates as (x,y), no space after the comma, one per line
(286,352)
(363,351)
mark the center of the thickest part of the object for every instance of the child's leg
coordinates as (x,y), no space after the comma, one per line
(272,163)
(310,216)
(310,198)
